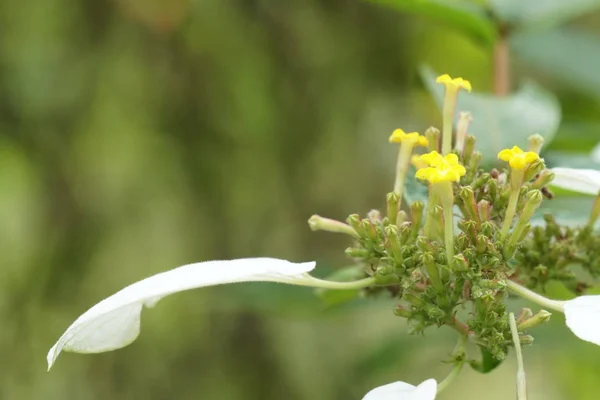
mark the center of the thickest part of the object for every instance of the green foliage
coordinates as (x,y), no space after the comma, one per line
(469,17)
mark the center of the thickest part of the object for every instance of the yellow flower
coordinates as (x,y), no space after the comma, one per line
(517,158)
(456,83)
(442,169)
(399,136)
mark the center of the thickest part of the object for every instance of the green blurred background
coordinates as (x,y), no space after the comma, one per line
(138,135)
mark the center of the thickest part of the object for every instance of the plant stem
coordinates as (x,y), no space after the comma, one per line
(402,165)
(320,283)
(534,297)
(516,179)
(450,97)
(521,379)
(459,351)
(447,200)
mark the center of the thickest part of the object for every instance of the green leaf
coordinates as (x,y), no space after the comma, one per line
(570,56)
(335,297)
(487,363)
(470,18)
(503,122)
(540,14)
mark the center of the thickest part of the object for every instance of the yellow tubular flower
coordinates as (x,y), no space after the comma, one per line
(442,169)
(456,83)
(399,136)
(450,99)
(517,158)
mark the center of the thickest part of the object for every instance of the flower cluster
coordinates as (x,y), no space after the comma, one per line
(453,260)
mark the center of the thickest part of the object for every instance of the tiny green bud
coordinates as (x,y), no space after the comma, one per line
(481,244)
(428,261)
(393,201)
(524,314)
(318,223)
(531,322)
(392,243)
(526,339)
(492,189)
(414,300)
(482,180)
(462,241)
(476,158)
(534,168)
(433,138)
(544,178)
(468,149)
(468,197)
(416,210)
(354,221)
(484,210)
(357,253)
(402,312)
(369,229)
(401,217)
(460,263)
(536,142)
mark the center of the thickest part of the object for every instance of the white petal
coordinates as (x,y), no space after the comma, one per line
(583,317)
(404,391)
(115,321)
(578,180)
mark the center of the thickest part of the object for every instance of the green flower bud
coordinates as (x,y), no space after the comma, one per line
(393,201)
(535,141)
(416,210)
(468,149)
(484,210)
(468,198)
(544,178)
(402,312)
(433,138)
(541,317)
(460,263)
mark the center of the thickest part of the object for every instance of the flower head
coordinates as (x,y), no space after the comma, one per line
(399,136)
(441,169)
(517,158)
(404,391)
(456,83)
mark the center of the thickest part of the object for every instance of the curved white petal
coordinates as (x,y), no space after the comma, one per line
(115,321)
(583,317)
(578,180)
(404,391)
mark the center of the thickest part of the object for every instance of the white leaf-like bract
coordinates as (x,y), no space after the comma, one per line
(115,321)
(583,317)
(577,180)
(404,391)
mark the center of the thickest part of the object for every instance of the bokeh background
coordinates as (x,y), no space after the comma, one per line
(139,135)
